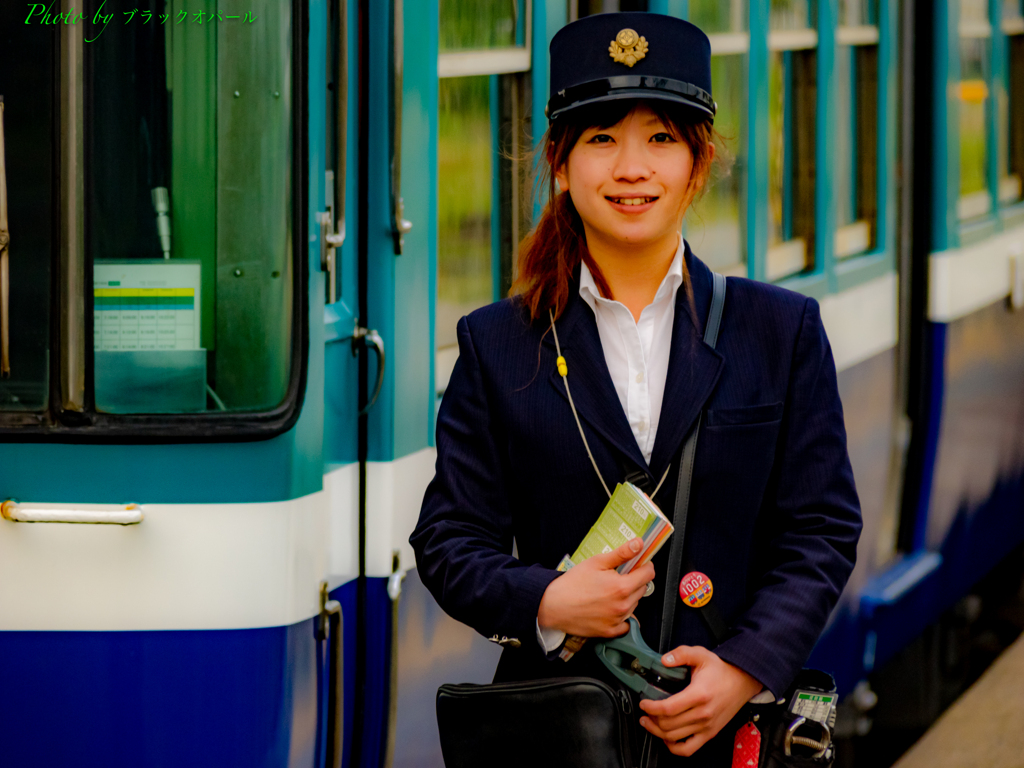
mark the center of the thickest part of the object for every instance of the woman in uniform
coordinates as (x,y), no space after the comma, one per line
(774,516)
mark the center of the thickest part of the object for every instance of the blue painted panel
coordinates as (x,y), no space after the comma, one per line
(412,345)
(366,705)
(824,197)
(838,651)
(177,698)
(346,594)
(757,141)
(678,8)
(548,18)
(946,133)
(936,380)
(285,467)
(341,368)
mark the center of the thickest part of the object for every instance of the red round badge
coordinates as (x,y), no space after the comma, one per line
(695,589)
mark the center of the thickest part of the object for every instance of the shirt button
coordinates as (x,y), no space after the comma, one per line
(642,426)
(640,378)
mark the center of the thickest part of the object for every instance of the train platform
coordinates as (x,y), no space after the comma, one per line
(984,728)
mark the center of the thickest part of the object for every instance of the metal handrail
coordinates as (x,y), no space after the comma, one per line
(399,225)
(17,513)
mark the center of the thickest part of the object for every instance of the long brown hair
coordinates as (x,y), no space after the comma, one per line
(550,253)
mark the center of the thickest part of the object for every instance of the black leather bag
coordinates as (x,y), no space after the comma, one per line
(560,722)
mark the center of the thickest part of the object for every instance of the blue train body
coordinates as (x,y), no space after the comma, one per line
(192,638)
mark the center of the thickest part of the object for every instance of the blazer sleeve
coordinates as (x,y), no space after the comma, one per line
(463,540)
(808,528)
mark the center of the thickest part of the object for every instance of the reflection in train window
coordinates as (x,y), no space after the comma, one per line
(1011,104)
(791,159)
(188,184)
(858,13)
(791,14)
(973,95)
(464,185)
(854,134)
(715,227)
(718,17)
(475,24)
(27,60)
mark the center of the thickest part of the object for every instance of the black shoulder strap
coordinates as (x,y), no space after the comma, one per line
(682,505)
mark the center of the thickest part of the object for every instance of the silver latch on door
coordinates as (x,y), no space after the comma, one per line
(362,338)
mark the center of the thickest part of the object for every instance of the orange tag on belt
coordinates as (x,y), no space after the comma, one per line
(695,589)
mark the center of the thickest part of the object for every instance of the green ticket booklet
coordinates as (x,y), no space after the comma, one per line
(629,514)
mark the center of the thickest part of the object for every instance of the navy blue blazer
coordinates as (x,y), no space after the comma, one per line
(774,517)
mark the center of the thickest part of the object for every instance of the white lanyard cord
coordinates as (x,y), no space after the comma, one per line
(563,371)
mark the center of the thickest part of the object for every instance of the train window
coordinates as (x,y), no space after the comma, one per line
(716,17)
(855,133)
(716,226)
(189,213)
(791,14)
(476,24)
(464,203)
(858,13)
(483,97)
(792,92)
(27,196)
(1011,118)
(973,97)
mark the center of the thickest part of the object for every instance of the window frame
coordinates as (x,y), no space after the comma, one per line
(72,273)
(737,43)
(860,39)
(1009,33)
(777,258)
(508,61)
(998,30)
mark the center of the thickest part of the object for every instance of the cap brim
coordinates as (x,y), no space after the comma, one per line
(637,94)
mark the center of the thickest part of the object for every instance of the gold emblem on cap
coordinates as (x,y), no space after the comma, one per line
(628,47)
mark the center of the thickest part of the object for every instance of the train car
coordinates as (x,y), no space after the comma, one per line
(269,216)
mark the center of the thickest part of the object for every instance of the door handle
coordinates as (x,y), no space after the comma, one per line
(362,338)
(5,275)
(399,225)
(330,627)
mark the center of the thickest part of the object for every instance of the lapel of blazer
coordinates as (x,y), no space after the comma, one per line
(592,390)
(693,368)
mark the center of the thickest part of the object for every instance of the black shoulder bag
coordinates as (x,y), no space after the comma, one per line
(582,722)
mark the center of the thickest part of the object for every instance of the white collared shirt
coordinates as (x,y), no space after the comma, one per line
(637,356)
(637,352)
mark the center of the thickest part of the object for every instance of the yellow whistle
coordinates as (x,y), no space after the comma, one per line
(563,369)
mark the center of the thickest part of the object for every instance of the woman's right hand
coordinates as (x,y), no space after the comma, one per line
(592,599)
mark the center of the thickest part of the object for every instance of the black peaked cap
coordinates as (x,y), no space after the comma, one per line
(591,62)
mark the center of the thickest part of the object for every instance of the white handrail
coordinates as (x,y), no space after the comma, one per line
(16,513)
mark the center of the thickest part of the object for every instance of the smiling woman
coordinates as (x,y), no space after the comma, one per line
(631,184)
(609,293)
(626,173)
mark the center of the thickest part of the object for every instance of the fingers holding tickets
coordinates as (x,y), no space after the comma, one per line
(593,599)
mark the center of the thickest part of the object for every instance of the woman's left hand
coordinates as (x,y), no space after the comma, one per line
(716,692)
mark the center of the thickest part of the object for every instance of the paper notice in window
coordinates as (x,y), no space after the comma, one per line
(146,304)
